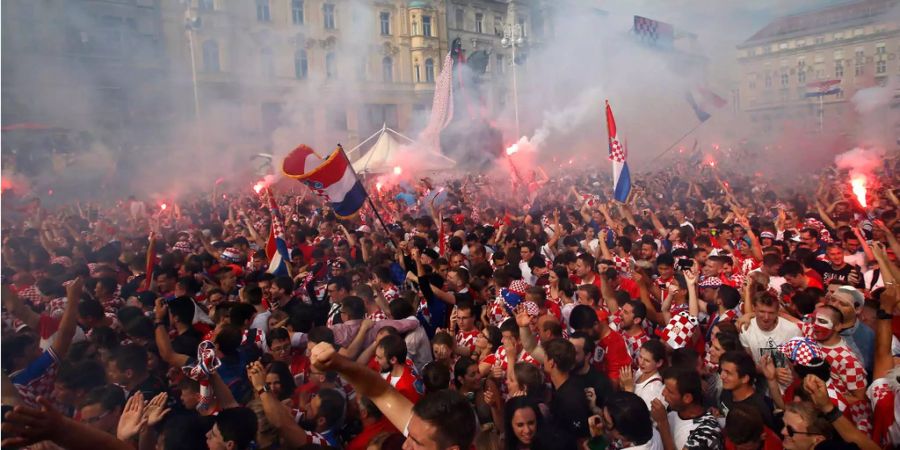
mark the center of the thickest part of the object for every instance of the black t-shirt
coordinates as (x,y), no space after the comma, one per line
(597,380)
(570,409)
(842,275)
(150,387)
(757,401)
(187,342)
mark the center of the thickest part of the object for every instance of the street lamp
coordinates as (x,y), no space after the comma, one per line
(191,24)
(514,37)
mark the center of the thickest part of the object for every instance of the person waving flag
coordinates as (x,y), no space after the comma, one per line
(617,154)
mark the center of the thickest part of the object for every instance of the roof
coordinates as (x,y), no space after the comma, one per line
(387,152)
(838,16)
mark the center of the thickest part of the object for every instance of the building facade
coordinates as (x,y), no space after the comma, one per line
(86,65)
(327,70)
(855,44)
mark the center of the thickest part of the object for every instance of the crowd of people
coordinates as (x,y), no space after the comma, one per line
(713,310)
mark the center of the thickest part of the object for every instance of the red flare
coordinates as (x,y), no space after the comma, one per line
(858,183)
(163,206)
(258,187)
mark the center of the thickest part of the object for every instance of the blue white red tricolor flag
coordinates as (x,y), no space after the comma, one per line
(276,246)
(617,154)
(332,179)
(703,100)
(822,88)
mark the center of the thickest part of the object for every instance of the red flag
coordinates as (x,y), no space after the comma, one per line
(442,246)
(151,261)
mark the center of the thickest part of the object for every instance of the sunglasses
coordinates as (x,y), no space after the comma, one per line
(791,432)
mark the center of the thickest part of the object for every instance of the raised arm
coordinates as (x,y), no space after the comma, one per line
(161,335)
(18,309)
(69,318)
(396,407)
(276,412)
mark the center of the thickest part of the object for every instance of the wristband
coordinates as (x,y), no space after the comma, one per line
(883,315)
(263,390)
(833,415)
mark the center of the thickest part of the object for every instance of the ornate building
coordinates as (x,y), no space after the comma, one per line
(324,71)
(853,44)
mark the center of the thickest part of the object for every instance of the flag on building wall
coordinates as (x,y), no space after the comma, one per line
(618,155)
(332,179)
(823,88)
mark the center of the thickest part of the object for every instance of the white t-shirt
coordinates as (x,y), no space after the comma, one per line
(655,443)
(650,389)
(754,338)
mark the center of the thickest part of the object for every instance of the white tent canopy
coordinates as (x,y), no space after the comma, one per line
(388,152)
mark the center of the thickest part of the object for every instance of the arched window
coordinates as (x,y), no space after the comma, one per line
(301,64)
(211,56)
(330,66)
(387,69)
(429,70)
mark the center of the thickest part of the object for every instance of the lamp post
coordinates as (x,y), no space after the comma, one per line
(191,24)
(514,37)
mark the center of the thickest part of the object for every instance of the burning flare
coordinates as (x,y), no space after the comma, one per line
(258,187)
(398,170)
(163,206)
(858,183)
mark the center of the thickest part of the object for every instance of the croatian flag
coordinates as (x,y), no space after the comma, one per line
(332,179)
(823,88)
(617,154)
(276,247)
(703,100)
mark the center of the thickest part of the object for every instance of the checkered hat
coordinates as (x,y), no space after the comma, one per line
(519,287)
(710,282)
(803,351)
(679,330)
(736,281)
(824,234)
(532,309)
(183,247)
(232,255)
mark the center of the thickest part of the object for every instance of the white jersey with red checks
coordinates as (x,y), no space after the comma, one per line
(376,316)
(848,372)
(885,403)
(467,339)
(634,344)
(390,293)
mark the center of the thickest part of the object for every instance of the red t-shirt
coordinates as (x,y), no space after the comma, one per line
(613,354)
(629,286)
(407,384)
(772,442)
(361,441)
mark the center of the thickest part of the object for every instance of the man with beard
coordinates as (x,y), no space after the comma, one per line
(391,357)
(323,415)
(596,384)
(634,314)
(611,353)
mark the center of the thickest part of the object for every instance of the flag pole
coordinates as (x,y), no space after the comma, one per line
(368,197)
(676,142)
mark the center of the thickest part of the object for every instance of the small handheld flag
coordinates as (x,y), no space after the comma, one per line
(276,246)
(617,154)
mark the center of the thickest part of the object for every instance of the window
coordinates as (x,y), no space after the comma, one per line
(417,73)
(330,65)
(785,79)
(768,81)
(479,23)
(267,60)
(415,28)
(301,64)
(838,55)
(328,13)
(859,69)
(211,56)
(501,64)
(860,53)
(880,49)
(498,25)
(297,12)
(385,23)
(207,5)
(262,11)
(460,19)
(801,76)
(426,25)
(429,70)
(387,69)
(838,69)
(881,66)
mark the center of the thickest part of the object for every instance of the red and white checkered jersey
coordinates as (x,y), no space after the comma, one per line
(467,339)
(377,316)
(848,372)
(634,344)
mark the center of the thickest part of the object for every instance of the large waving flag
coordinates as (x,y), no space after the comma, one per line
(276,246)
(332,179)
(617,154)
(823,88)
(703,100)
